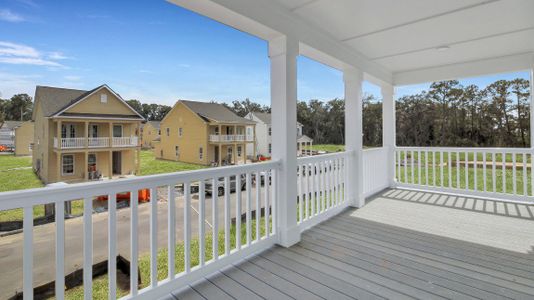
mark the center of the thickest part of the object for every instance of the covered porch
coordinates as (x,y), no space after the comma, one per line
(390,222)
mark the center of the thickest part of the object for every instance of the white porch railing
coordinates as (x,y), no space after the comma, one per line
(321,187)
(504,173)
(70,143)
(98,142)
(127,141)
(255,176)
(231,138)
(374,170)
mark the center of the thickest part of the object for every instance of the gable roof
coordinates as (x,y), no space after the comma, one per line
(155,124)
(265,117)
(215,112)
(54,101)
(10,125)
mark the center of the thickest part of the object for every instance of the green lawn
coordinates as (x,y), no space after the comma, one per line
(100,284)
(150,165)
(327,147)
(10,161)
(458,173)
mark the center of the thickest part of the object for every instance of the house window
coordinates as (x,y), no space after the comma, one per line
(217,130)
(269,130)
(117,130)
(249,131)
(103,98)
(177,150)
(180,131)
(270,148)
(67,164)
(200,153)
(94,131)
(159,132)
(168,131)
(238,150)
(68,131)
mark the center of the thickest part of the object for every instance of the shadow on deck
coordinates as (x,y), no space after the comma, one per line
(401,245)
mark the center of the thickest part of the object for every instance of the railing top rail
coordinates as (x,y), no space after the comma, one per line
(374,149)
(322,157)
(468,149)
(25,198)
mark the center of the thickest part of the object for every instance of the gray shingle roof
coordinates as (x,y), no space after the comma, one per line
(11,124)
(54,99)
(266,117)
(214,112)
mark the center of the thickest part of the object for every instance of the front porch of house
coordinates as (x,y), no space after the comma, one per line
(402,244)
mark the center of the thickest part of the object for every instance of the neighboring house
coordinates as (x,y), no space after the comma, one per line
(7,133)
(149,132)
(84,135)
(24,138)
(204,133)
(263,135)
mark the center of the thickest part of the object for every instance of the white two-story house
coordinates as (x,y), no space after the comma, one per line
(263,136)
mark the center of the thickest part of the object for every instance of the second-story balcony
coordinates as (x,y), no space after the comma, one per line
(95,142)
(224,138)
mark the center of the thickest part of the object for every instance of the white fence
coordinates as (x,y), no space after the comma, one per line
(321,187)
(504,173)
(98,142)
(127,141)
(258,179)
(231,138)
(375,178)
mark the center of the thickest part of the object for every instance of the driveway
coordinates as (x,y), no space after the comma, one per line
(44,239)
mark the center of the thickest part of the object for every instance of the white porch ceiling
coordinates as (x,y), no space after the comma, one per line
(402,35)
(393,41)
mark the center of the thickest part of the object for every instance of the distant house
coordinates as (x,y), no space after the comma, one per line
(149,133)
(263,135)
(7,133)
(84,135)
(24,138)
(204,133)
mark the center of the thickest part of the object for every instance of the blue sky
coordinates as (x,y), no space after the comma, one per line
(148,50)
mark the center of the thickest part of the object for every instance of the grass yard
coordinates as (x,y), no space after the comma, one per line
(150,165)
(100,284)
(326,147)
(10,161)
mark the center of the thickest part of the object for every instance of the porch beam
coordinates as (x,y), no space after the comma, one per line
(353,79)
(283,52)
(389,130)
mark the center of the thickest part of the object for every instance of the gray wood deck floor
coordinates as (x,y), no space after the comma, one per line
(401,245)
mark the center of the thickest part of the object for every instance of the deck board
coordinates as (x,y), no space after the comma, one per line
(402,245)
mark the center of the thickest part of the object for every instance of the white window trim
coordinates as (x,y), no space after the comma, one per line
(73,165)
(103,98)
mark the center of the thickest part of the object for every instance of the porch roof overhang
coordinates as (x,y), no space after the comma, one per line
(392,42)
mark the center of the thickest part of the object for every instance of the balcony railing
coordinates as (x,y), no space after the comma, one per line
(98,142)
(256,179)
(231,138)
(504,173)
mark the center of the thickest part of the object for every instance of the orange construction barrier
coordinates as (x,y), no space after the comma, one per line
(142,196)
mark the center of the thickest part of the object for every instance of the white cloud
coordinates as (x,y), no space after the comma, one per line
(57,56)
(9,16)
(18,54)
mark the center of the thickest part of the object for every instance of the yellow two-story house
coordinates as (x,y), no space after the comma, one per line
(204,133)
(84,135)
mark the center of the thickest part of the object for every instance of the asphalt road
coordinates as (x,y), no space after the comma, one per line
(44,239)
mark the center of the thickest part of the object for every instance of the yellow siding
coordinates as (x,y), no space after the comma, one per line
(23,138)
(93,105)
(195,135)
(148,135)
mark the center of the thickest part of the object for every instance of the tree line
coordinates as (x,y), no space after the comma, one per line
(447,114)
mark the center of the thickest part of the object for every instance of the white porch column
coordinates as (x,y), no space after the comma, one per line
(283,53)
(389,130)
(532,103)
(353,78)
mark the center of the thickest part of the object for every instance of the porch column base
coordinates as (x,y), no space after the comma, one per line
(289,237)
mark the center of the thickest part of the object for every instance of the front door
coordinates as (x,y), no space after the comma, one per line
(216,152)
(117,162)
